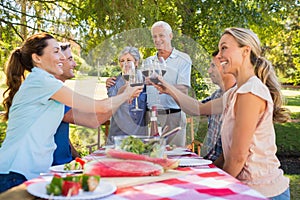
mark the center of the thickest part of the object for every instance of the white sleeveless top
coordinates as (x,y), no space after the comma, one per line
(261,170)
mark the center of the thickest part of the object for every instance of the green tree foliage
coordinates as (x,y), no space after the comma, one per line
(204,21)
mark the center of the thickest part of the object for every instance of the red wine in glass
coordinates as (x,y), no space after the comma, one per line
(146,72)
(137,80)
(126,77)
(136,84)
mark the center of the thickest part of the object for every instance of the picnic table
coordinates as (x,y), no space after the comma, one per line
(196,182)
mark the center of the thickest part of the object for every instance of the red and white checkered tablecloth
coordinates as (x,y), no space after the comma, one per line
(204,183)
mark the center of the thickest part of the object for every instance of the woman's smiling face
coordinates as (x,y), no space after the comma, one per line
(230,54)
(52,58)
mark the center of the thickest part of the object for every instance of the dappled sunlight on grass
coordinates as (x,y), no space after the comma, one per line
(293,108)
(295,115)
(287,135)
(293,101)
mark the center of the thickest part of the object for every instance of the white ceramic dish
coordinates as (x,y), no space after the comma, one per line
(177,153)
(104,189)
(60,168)
(180,149)
(100,151)
(192,162)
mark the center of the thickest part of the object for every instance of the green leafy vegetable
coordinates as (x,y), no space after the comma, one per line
(133,144)
(150,147)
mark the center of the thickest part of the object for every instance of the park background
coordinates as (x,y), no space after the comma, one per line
(98,30)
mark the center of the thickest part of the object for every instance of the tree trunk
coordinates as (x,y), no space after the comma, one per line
(23,19)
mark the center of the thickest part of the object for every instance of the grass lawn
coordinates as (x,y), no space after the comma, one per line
(294,186)
(287,137)
(287,134)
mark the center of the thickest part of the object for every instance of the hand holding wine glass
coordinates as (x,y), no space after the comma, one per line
(135,79)
(159,69)
(132,92)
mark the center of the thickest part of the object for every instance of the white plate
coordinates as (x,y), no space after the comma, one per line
(100,151)
(60,168)
(104,189)
(177,153)
(180,149)
(191,162)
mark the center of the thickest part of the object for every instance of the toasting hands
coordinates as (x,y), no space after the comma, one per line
(132,92)
(162,86)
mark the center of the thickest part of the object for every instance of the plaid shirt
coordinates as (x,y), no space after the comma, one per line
(212,145)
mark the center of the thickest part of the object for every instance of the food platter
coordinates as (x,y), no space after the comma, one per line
(60,168)
(105,188)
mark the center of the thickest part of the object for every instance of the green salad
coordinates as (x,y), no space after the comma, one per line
(150,147)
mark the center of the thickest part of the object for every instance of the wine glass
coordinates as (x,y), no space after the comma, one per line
(163,65)
(136,80)
(125,71)
(131,71)
(155,72)
(146,70)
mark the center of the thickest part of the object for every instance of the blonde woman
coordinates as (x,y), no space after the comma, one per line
(249,109)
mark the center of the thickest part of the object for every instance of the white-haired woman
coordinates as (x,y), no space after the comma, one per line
(126,121)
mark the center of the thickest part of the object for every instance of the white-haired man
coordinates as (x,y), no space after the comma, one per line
(178,67)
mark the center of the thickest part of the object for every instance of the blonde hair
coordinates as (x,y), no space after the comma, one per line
(263,69)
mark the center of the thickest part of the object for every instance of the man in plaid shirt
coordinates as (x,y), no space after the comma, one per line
(212,145)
